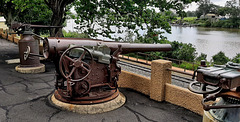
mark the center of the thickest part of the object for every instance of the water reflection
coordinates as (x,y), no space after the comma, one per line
(208,40)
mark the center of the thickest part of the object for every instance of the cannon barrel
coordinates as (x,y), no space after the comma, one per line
(53,45)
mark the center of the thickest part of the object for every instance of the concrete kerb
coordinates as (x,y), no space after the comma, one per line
(89,109)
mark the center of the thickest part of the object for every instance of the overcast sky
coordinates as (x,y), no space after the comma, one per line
(194,5)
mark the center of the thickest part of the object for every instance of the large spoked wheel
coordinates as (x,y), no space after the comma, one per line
(75,64)
(202,89)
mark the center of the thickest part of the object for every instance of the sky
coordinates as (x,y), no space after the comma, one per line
(193,6)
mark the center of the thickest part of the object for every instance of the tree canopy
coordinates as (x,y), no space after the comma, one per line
(99,17)
(27,11)
(104,17)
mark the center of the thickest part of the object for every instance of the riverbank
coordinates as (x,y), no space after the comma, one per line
(209,41)
(208,21)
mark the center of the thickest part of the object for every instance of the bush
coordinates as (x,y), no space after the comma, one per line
(202,56)
(207,23)
(74,34)
(220,58)
(186,52)
(236,59)
(180,51)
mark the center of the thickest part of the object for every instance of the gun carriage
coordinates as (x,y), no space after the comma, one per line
(87,70)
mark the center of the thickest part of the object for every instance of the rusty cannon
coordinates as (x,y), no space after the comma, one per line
(220,84)
(29,47)
(86,69)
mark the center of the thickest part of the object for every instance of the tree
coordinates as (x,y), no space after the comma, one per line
(31,11)
(206,7)
(203,7)
(104,17)
(8,10)
(191,13)
(220,58)
(59,9)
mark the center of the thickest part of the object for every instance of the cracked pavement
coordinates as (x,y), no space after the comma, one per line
(24,98)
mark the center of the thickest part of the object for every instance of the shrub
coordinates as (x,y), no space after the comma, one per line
(74,34)
(202,56)
(220,58)
(236,59)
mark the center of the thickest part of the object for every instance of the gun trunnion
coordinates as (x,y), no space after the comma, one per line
(87,70)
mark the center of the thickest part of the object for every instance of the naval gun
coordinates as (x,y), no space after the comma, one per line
(221,85)
(86,69)
(29,47)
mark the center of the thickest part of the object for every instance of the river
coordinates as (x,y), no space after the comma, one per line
(208,40)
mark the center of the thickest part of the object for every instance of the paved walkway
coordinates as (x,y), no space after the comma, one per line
(23,98)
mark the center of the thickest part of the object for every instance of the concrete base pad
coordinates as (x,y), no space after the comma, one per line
(13,61)
(17,61)
(207,117)
(90,109)
(29,70)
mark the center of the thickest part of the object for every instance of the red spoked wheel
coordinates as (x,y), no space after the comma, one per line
(75,64)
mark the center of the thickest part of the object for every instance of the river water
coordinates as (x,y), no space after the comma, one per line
(208,40)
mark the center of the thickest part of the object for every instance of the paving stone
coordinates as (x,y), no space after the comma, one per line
(36,111)
(3,117)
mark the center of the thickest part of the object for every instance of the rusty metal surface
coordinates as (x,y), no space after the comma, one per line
(28,45)
(82,80)
(53,45)
(226,80)
(87,72)
(16,26)
(28,41)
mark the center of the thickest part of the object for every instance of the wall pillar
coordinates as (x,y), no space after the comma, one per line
(1,31)
(159,77)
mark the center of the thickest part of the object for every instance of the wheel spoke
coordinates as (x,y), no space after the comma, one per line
(85,66)
(72,71)
(80,58)
(70,59)
(68,65)
(65,65)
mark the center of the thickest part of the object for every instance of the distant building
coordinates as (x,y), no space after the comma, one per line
(2,23)
(210,17)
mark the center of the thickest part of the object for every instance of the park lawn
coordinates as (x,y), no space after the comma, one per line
(187,18)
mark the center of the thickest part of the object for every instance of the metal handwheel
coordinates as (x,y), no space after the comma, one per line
(76,63)
(202,89)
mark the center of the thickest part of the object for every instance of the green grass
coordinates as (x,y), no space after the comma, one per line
(187,18)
